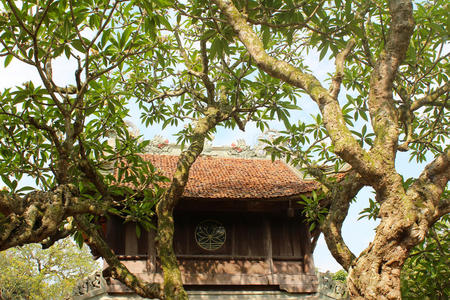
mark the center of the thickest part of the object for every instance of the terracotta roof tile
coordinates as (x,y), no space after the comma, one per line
(236,178)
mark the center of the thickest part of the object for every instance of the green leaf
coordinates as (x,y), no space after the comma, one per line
(67,52)
(323,52)
(138,231)
(105,37)
(125,36)
(8,59)
(217,48)
(78,45)
(78,237)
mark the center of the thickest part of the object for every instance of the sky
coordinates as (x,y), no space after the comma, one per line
(357,233)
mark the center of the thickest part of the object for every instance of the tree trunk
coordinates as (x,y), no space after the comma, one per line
(373,277)
(375,274)
(173,284)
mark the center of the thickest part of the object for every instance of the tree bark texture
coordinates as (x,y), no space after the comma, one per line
(38,215)
(375,274)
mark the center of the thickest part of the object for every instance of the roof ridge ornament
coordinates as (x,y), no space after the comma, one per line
(241,149)
(158,145)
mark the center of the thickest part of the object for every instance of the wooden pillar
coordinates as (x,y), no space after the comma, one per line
(268,249)
(308,261)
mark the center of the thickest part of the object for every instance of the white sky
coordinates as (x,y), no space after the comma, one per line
(358,234)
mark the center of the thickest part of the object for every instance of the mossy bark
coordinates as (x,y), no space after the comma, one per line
(406,216)
(340,195)
(173,284)
(376,272)
(117,269)
(38,215)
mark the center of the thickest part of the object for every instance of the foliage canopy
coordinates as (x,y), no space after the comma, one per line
(224,63)
(30,272)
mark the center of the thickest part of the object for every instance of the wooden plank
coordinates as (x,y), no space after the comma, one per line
(143,243)
(220,257)
(300,283)
(275,227)
(308,262)
(286,248)
(189,232)
(181,236)
(303,283)
(295,233)
(151,251)
(255,227)
(272,205)
(131,243)
(241,237)
(115,234)
(243,267)
(233,238)
(287,267)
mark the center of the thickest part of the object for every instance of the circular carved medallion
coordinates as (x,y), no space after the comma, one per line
(210,235)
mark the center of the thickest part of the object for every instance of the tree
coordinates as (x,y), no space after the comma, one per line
(397,72)
(224,64)
(29,272)
(57,134)
(340,275)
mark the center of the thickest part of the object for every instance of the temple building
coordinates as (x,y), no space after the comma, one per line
(239,231)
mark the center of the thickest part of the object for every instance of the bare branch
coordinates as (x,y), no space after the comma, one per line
(340,61)
(38,215)
(167,94)
(432,98)
(50,130)
(205,78)
(183,52)
(43,16)
(430,186)
(341,195)
(296,25)
(10,52)
(103,26)
(59,235)
(383,112)
(19,19)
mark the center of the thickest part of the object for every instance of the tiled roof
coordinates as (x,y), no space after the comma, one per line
(236,178)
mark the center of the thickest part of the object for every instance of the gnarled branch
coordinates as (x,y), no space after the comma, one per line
(38,215)
(383,113)
(340,195)
(118,270)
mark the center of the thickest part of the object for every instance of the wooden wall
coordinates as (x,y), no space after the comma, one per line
(260,250)
(246,236)
(123,239)
(243,234)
